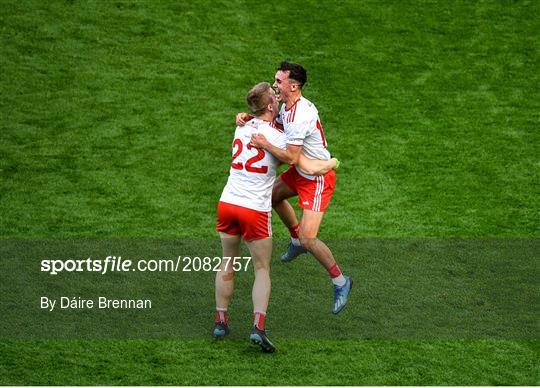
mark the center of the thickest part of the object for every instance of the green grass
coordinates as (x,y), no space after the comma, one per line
(204,362)
(117,120)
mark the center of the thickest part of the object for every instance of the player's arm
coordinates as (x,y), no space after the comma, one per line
(293,155)
(316,166)
(289,155)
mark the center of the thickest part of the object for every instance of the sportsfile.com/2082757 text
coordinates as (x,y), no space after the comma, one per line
(117,264)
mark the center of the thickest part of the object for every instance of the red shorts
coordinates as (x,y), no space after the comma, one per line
(238,220)
(312,194)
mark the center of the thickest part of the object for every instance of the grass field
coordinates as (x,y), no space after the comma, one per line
(117,120)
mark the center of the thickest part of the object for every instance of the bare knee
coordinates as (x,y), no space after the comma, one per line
(308,242)
(276,204)
(280,192)
(261,265)
(262,271)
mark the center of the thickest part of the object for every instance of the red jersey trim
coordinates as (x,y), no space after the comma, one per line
(293,113)
(273,125)
(319,127)
(293,105)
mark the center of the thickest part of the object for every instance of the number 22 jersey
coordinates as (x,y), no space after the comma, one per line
(253,171)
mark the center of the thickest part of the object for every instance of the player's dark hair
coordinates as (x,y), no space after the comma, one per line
(258,98)
(296,72)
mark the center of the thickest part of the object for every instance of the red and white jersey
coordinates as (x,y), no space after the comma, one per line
(303,127)
(253,171)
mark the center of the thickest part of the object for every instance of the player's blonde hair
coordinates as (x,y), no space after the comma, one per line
(259,97)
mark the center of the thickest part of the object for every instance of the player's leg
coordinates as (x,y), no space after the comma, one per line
(309,228)
(256,227)
(284,189)
(261,252)
(316,166)
(280,193)
(230,245)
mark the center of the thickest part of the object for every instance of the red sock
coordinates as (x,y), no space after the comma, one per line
(294,231)
(259,319)
(334,271)
(222,316)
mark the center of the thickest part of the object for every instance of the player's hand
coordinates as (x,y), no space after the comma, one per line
(242,118)
(259,140)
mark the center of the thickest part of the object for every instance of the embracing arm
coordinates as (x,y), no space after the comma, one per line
(316,166)
(290,155)
(293,155)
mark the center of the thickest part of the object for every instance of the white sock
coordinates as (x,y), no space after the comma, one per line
(339,280)
(295,241)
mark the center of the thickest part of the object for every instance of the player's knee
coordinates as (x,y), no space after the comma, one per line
(280,192)
(277,198)
(308,242)
(262,271)
(279,203)
(261,265)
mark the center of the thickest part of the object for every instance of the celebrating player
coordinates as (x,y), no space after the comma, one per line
(244,211)
(305,136)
